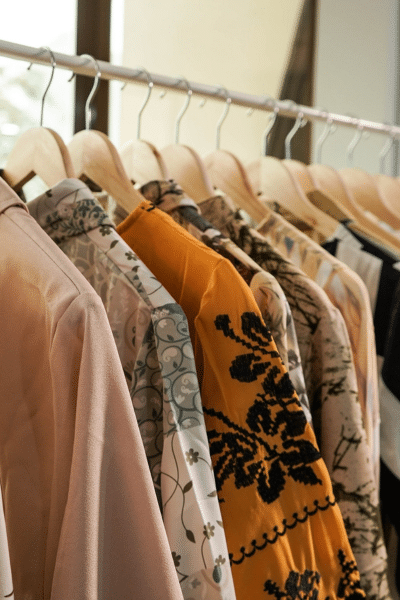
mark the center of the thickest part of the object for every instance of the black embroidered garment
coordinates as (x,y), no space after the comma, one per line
(271,300)
(276,499)
(332,390)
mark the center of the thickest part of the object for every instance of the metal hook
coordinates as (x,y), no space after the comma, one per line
(385,151)
(354,142)
(88,109)
(146,100)
(53,68)
(183,109)
(222,118)
(300,122)
(267,130)
(329,128)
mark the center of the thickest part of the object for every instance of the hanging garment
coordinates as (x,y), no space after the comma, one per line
(6,584)
(153,342)
(291,534)
(380,272)
(348,293)
(332,389)
(267,292)
(80,508)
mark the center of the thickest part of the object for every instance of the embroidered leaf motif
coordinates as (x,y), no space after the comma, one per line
(306,585)
(113,244)
(190,536)
(212,494)
(188,487)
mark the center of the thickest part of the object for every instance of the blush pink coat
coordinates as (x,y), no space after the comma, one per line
(80,509)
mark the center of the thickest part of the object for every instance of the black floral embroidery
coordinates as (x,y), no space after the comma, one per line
(306,585)
(301,586)
(349,584)
(266,453)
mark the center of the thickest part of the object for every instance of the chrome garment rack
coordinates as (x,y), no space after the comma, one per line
(85,66)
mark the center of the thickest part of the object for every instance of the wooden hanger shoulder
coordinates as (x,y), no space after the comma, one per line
(319,197)
(94,156)
(187,168)
(390,190)
(229,175)
(253,175)
(143,162)
(329,179)
(38,151)
(278,183)
(368,195)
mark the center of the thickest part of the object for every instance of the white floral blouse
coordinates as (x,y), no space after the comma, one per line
(153,341)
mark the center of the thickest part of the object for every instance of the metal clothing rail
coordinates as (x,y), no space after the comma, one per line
(83,66)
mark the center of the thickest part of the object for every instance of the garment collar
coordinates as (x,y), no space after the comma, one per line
(68,209)
(166,195)
(220,211)
(8,197)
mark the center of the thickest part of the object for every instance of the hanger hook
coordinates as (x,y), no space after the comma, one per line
(385,151)
(53,68)
(146,100)
(88,109)
(268,129)
(222,118)
(300,122)
(329,128)
(183,109)
(354,142)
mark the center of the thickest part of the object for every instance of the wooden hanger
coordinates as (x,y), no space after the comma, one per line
(229,175)
(185,165)
(369,195)
(330,180)
(142,161)
(275,181)
(38,151)
(364,188)
(390,186)
(319,197)
(278,181)
(95,157)
(390,190)
(187,168)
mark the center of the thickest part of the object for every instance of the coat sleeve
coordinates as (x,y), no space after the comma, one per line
(106,535)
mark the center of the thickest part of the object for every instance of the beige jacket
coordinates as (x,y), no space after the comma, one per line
(81,513)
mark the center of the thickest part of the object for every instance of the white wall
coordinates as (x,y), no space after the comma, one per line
(356,73)
(241,45)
